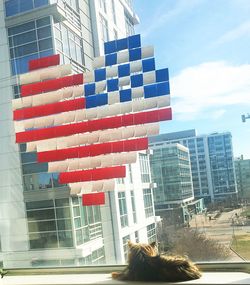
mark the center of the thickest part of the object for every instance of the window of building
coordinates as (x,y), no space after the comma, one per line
(125,246)
(104,29)
(29,41)
(123,209)
(130,174)
(103,5)
(144,167)
(70,47)
(132,195)
(49,224)
(87,222)
(113,8)
(148,202)
(14,7)
(129,25)
(151,233)
(137,240)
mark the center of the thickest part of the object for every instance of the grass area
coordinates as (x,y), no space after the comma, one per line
(241,244)
(246,212)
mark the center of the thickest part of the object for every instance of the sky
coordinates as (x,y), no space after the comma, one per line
(206,46)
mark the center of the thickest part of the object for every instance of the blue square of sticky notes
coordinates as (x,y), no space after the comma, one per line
(134,54)
(134,41)
(100,74)
(150,91)
(112,85)
(89,89)
(162,75)
(123,70)
(148,64)
(163,88)
(122,44)
(102,99)
(110,47)
(91,102)
(136,80)
(110,59)
(125,95)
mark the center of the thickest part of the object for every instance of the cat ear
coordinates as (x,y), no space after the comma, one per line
(153,244)
(130,244)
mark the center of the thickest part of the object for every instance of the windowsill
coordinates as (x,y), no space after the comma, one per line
(101,278)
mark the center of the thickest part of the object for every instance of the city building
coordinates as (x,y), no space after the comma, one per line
(173,194)
(242,170)
(40,223)
(212,166)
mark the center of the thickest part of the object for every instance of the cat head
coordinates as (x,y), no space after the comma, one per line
(136,249)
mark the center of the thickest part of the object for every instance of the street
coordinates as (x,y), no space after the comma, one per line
(221,228)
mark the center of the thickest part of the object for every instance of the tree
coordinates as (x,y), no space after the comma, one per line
(195,245)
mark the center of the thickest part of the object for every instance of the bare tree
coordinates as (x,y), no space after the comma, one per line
(195,245)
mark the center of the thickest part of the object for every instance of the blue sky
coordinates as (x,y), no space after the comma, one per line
(206,46)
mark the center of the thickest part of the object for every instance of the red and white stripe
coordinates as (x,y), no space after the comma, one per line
(88,147)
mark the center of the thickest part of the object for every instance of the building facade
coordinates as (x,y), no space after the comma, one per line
(242,169)
(212,166)
(171,171)
(40,224)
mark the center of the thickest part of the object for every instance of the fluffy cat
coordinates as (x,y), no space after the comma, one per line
(145,264)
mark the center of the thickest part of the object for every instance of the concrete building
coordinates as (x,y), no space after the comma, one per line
(40,224)
(212,166)
(242,170)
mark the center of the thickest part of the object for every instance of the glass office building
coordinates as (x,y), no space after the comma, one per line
(242,170)
(171,171)
(212,166)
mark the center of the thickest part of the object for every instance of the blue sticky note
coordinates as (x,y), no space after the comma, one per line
(112,85)
(122,44)
(134,54)
(148,64)
(110,47)
(125,95)
(150,91)
(136,80)
(162,75)
(110,59)
(123,70)
(89,89)
(163,88)
(100,74)
(91,101)
(134,41)
(102,99)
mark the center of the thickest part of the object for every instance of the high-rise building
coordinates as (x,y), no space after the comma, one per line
(171,171)
(212,166)
(40,224)
(242,170)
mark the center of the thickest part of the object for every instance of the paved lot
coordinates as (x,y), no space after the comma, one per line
(221,228)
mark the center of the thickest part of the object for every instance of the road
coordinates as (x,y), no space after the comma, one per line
(220,229)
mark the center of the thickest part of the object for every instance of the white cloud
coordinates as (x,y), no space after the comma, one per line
(207,89)
(240,31)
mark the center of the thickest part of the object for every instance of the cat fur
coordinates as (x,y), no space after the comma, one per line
(145,264)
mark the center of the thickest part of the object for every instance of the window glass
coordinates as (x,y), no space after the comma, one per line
(44,32)
(13,7)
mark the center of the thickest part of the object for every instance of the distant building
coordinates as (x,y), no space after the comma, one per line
(171,171)
(212,166)
(242,169)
